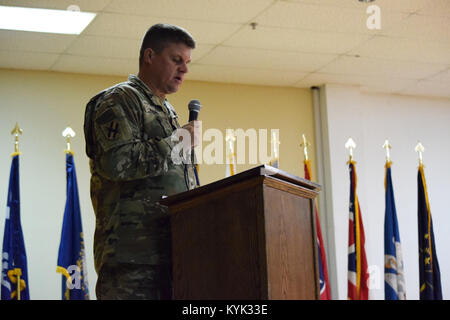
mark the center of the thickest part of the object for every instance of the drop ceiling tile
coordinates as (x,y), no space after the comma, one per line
(27,60)
(243,75)
(406,6)
(442,77)
(121,48)
(230,11)
(200,51)
(84,5)
(428,88)
(134,27)
(404,49)
(95,65)
(381,67)
(295,40)
(34,41)
(207,32)
(105,47)
(421,27)
(324,18)
(436,8)
(266,59)
(383,84)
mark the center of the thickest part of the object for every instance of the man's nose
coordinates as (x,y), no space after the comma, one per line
(184,68)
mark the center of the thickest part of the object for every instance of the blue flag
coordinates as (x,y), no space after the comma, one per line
(394,281)
(71,256)
(14,258)
(429,274)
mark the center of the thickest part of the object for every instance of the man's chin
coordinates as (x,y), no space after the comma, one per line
(173,89)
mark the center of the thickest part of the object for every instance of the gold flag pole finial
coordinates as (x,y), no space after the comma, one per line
(230,141)
(420,149)
(230,151)
(387,146)
(305,144)
(16,132)
(350,145)
(68,133)
(275,143)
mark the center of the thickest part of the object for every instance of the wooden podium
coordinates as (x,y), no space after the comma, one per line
(250,236)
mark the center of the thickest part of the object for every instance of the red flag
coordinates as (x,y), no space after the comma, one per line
(325,292)
(358,275)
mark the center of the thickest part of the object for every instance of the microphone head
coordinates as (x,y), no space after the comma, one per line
(194,105)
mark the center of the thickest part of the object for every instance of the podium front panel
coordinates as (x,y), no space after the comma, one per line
(218,246)
(250,236)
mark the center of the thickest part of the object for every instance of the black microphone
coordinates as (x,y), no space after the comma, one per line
(194,108)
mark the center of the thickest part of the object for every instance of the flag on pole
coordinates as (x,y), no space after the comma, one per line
(71,256)
(394,281)
(358,275)
(14,258)
(325,291)
(429,273)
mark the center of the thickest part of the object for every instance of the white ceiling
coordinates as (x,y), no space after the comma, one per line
(296,43)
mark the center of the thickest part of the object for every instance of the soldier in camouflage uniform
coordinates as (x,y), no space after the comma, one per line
(128,130)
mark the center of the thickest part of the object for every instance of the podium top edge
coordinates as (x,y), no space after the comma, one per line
(270,171)
(262,170)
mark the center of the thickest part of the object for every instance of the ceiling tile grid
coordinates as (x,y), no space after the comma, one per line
(294,42)
(83,5)
(381,67)
(325,18)
(266,59)
(275,38)
(378,83)
(229,11)
(95,65)
(403,49)
(27,60)
(21,41)
(256,76)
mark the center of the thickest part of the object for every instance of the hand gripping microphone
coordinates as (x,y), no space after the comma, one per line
(194,107)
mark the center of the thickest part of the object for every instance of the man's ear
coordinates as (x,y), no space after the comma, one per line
(148,55)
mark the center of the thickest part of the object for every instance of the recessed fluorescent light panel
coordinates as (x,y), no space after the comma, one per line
(44,20)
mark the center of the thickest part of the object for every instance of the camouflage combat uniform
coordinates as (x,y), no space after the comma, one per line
(128,140)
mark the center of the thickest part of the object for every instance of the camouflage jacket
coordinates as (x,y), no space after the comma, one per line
(128,140)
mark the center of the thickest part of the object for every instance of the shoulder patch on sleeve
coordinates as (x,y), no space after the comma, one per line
(113,127)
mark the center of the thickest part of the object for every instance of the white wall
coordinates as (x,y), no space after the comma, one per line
(370,119)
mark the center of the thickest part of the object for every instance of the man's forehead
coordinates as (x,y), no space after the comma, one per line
(178,48)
